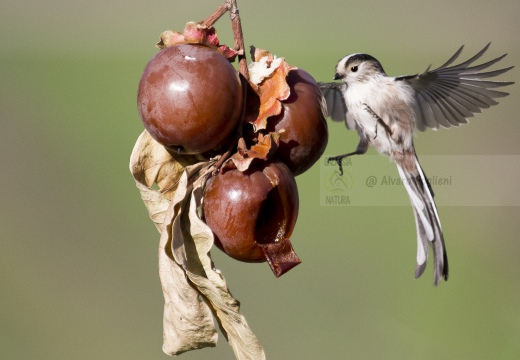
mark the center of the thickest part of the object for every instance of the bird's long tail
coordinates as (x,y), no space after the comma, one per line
(429,232)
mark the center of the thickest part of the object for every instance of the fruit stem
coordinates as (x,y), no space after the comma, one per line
(217,14)
(236,24)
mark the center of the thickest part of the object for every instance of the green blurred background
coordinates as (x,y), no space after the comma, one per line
(78,257)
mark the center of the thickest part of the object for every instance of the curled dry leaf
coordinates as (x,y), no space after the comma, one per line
(187,319)
(151,163)
(195,33)
(267,76)
(200,34)
(193,289)
(170,38)
(264,148)
(208,280)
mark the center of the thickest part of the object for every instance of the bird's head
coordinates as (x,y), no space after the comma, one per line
(358,68)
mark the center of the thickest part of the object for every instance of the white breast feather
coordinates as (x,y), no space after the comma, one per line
(378,93)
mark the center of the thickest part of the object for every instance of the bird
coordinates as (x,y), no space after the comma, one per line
(387,111)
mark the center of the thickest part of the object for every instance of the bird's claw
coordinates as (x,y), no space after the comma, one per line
(338,160)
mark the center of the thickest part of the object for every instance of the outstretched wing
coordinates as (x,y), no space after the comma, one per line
(448,96)
(336,107)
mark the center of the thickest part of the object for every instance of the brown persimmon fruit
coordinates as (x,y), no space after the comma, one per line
(253,213)
(189,98)
(305,133)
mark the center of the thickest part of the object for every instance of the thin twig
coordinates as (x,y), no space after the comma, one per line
(217,14)
(236,24)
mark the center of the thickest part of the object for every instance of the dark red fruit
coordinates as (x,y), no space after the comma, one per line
(189,98)
(306,133)
(252,210)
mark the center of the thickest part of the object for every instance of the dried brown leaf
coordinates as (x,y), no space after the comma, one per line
(265,147)
(193,289)
(192,240)
(268,76)
(229,53)
(213,286)
(187,321)
(151,163)
(200,34)
(170,38)
(196,33)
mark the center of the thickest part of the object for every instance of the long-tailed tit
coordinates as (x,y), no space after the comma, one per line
(386,111)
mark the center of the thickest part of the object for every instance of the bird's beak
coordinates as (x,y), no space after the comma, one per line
(337,76)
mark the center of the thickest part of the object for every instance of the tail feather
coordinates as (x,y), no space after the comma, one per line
(422,245)
(429,231)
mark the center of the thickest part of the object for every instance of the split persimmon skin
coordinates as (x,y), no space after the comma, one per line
(247,209)
(189,98)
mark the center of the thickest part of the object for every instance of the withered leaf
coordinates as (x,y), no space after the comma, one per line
(268,76)
(192,251)
(170,38)
(200,34)
(243,341)
(187,320)
(195,33)
(151,163)
(229,53)
(193,289)
(265,147)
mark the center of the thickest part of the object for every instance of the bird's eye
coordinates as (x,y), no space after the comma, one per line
(353,68)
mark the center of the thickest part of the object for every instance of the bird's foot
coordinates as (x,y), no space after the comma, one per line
(339,160)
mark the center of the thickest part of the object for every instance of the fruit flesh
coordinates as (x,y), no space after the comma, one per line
(251,208)
(271,222)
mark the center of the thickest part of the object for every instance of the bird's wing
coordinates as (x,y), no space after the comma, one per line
(336,107)
(449,95)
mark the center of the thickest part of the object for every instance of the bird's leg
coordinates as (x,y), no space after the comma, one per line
(360,150)
(339,159)
(379,120)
